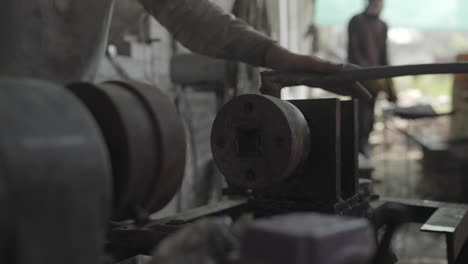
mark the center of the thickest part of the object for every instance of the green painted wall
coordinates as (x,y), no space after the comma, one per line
(420,14)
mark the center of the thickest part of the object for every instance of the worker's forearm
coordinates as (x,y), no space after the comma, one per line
(206,29)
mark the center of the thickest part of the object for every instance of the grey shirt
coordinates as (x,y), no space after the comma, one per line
(64,40)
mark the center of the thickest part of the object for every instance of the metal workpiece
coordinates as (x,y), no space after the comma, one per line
(146,141)
(258,141)
(289,150)
(438,217)
(308,238)
(273,82)
(57,175)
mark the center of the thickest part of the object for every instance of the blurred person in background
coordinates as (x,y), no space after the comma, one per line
(367,47)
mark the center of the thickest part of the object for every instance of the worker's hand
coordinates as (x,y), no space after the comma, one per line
(281,59)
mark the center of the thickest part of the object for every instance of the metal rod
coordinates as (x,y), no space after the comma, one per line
(372,73)
(273,82)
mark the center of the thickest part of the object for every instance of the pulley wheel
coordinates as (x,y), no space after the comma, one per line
(170,143)
(146,140)
(257,141)
(57,172)
(127,127)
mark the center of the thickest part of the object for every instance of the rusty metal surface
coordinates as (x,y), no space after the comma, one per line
(258,141)
(273,82)
(57,175)
(128,130)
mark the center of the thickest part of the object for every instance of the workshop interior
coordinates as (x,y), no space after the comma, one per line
(138,150)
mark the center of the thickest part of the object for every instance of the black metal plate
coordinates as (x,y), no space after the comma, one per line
(349,148)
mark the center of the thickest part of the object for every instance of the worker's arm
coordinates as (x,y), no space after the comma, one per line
(204,28)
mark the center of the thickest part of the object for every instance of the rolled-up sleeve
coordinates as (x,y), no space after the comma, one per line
(204,28)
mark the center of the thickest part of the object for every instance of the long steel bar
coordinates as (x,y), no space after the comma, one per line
(273,82)
(372,73)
